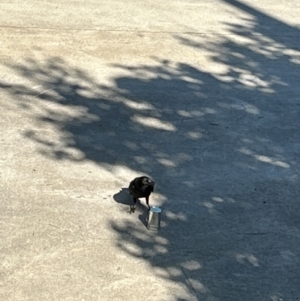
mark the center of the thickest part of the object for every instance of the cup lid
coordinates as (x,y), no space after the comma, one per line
(155,209)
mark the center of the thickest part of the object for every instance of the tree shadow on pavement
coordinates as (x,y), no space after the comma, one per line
(223,147)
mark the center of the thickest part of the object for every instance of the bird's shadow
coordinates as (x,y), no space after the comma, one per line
(123,197)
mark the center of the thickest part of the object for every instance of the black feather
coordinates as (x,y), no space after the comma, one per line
(141,187)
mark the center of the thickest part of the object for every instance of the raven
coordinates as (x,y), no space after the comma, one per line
(140,187)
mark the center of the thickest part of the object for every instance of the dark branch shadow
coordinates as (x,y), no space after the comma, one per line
(224,149)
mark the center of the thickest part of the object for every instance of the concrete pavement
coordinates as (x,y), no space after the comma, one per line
(201,96)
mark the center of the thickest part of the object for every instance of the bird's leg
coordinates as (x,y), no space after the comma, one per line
(147,202)
(132,207)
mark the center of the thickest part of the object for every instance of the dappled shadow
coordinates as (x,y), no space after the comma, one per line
(223,148)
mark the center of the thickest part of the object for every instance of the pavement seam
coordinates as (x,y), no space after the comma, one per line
(189,283)
(145,31)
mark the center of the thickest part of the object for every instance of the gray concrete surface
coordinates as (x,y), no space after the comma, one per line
(203,96)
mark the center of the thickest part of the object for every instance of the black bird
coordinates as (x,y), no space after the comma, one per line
(140,187)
